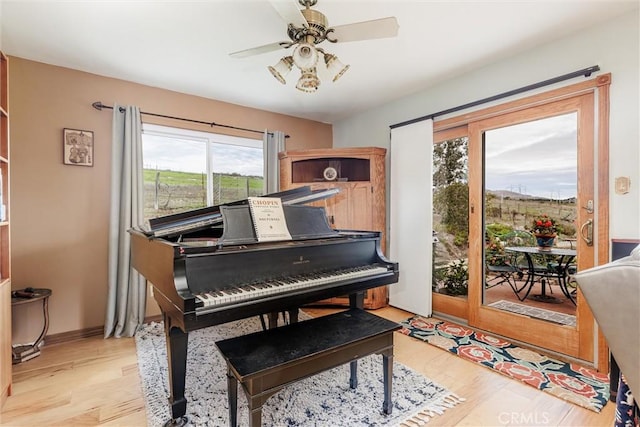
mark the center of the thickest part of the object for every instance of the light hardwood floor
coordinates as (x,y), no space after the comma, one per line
(94,382)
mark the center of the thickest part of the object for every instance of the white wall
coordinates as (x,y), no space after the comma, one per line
(614,46)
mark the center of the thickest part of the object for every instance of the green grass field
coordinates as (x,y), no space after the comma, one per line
(167,192)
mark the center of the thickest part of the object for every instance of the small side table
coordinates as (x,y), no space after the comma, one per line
(22,353)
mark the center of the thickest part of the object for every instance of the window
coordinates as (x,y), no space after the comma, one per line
(186,169)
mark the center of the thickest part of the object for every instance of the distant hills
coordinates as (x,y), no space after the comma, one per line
(513,195)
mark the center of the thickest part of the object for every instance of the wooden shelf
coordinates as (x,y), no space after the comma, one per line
(346,169)
(5,247)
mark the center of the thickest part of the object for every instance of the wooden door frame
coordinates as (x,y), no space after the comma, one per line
(575,342)
(452,127)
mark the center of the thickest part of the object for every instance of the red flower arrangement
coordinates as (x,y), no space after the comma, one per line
(543,225)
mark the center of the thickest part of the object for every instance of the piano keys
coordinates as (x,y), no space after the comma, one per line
(210,270)
(264,288)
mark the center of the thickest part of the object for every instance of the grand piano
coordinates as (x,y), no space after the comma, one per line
(207,268)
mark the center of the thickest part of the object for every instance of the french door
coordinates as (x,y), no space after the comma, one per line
(581,109)
(565,166)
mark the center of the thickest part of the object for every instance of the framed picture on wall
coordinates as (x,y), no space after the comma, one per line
(78,147)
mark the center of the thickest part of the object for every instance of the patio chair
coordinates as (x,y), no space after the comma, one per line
(500,267)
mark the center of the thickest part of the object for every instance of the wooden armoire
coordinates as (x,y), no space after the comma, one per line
(359,174)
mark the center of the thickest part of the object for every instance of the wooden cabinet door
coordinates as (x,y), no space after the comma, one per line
(336,207)
(350,209)
(360,213)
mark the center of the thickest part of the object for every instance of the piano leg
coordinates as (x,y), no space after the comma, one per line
(273,319)
(177,341)
(356,300)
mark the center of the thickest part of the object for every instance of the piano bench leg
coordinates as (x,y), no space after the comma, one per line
(232,393)
(387,368)
(353,379)
(177,422)
(255,417)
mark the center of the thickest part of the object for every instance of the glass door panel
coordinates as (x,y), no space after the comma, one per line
(450,275)
(530,181)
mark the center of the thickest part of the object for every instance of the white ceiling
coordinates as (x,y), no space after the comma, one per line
(184,45)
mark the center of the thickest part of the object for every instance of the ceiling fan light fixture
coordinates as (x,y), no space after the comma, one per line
(308,81)
(308,28)
(334,66)
(281,69)
(305,56)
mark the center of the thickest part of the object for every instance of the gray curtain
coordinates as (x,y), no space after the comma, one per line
(127,289)
(272,144)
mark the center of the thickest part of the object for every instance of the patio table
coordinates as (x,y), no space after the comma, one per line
(564,257)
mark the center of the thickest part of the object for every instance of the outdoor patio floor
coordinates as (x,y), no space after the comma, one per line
(504,292)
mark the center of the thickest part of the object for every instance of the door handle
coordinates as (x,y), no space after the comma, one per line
(588,226)
(589,206)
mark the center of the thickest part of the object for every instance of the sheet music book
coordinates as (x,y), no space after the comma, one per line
(268,218)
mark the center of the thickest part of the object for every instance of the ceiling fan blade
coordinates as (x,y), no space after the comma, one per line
(290,12)
(259,49)
(366,30)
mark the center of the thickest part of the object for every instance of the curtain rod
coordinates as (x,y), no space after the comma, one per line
(586,72)
(99,106)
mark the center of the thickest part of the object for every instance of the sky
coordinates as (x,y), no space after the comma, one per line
(538,158)
(160,153)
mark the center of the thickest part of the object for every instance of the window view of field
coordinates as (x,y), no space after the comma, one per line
(167,192)
(186,170)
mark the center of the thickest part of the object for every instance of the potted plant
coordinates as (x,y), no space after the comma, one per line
(544,228)
(456,278)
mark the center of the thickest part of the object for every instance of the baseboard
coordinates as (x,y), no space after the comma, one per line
(70,336)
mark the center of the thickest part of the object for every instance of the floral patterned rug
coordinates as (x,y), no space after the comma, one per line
(574,383)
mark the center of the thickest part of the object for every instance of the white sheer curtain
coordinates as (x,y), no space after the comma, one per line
(127,289)
(272,144)
(411,215)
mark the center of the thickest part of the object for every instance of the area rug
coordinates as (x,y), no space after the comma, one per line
(322,400)
(574,383)
(538,313)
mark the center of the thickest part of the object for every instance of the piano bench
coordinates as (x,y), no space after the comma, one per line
(264,362)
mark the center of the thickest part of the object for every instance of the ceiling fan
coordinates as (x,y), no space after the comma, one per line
(306,29)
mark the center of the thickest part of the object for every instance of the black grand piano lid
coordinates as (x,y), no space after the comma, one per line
(202,218)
